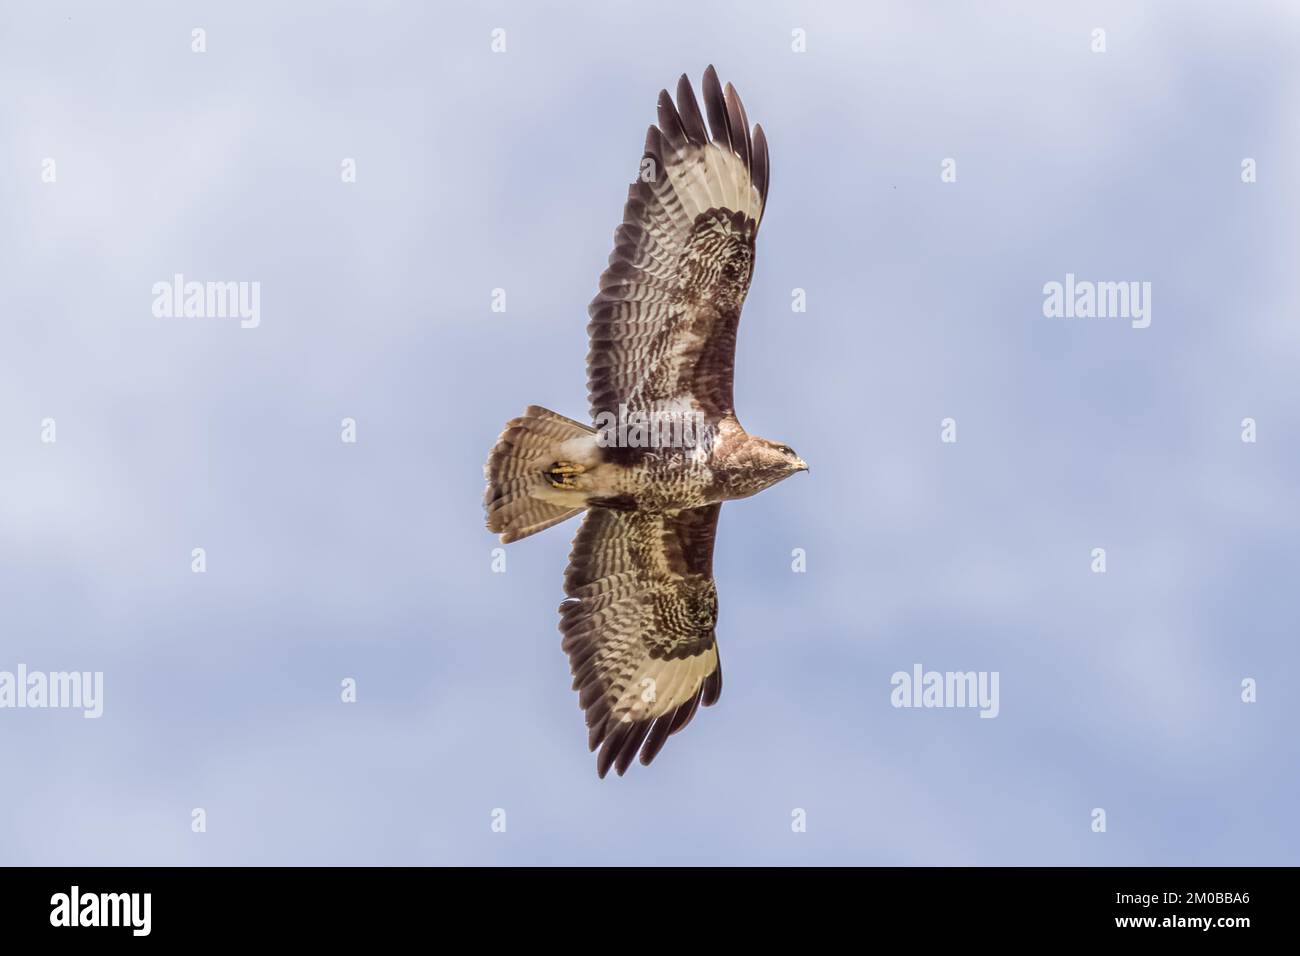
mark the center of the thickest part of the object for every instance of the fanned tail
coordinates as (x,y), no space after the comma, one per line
(524,494)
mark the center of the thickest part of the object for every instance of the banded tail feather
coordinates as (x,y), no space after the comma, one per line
(527,473)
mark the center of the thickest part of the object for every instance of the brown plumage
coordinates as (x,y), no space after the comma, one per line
(641,612)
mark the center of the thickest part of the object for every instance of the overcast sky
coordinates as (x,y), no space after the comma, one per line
(476,170)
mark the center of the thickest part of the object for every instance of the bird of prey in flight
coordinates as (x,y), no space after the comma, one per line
(639,621)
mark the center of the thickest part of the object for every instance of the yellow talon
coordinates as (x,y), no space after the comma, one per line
(563,474)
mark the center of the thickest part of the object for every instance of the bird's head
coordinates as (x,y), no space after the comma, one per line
(774,461)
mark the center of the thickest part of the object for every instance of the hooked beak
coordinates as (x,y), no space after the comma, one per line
(803,465)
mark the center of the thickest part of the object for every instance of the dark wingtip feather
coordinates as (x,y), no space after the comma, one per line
(595,734)
(716,106)
(683,714)
(608,752)
(739,125)
(631,745)
(670,122)
(762,168)
(688,108)
(658,737)
(712,687)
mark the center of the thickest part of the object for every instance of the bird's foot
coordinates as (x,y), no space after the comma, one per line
(564,474)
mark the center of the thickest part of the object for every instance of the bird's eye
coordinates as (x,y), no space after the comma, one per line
(786,450)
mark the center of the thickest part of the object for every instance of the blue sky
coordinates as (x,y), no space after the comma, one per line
(478,171)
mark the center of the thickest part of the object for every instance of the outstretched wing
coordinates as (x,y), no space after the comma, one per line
(663,326)
(638,626)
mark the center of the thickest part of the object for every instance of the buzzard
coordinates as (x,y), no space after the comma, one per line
(641,613)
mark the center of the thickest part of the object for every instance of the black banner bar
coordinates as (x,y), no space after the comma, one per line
(333,905)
